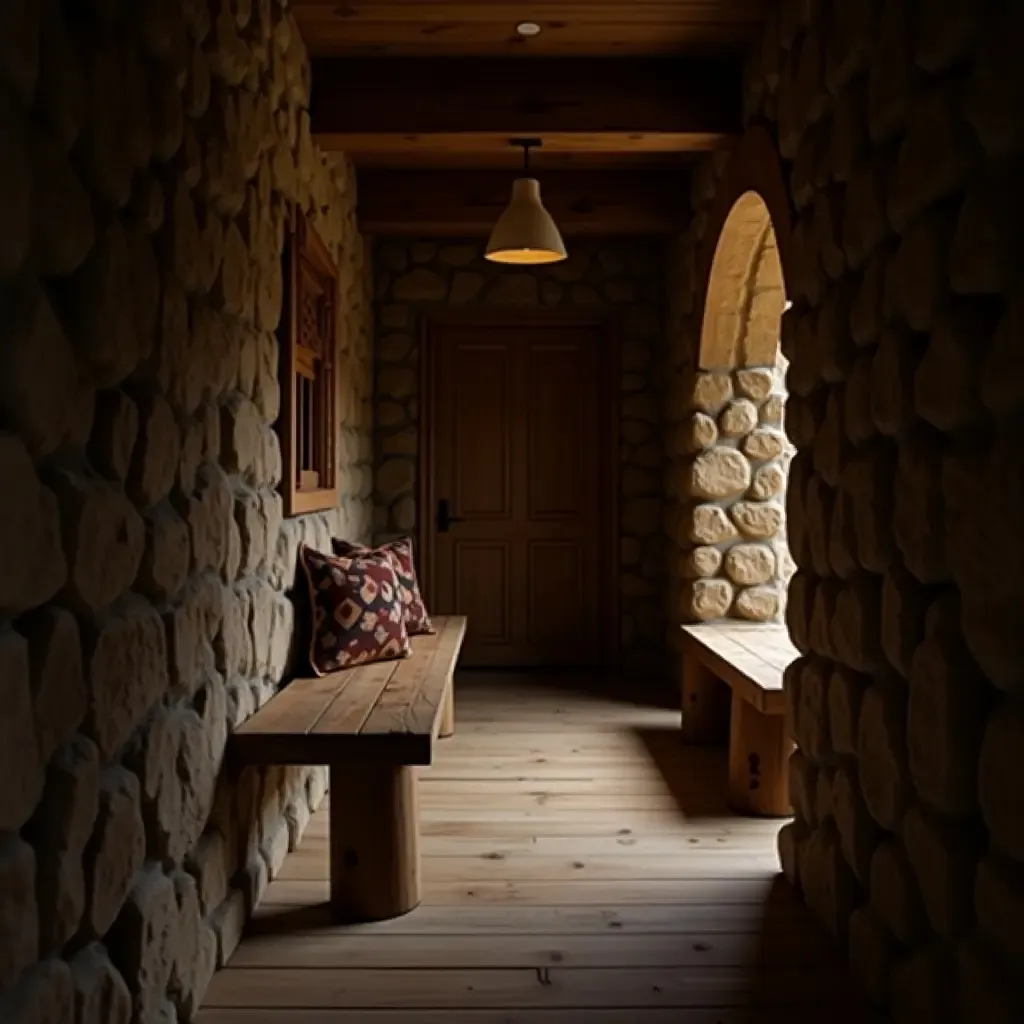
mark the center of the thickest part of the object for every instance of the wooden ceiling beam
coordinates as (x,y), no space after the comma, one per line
(594,104)
(461,203)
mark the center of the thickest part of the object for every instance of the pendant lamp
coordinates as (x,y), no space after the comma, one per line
(525,232)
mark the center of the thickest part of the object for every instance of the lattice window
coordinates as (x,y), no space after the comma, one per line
(309,383)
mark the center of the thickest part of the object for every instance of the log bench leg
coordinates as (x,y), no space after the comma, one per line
(702,702)
(448,710)
(759,749)
(375,856)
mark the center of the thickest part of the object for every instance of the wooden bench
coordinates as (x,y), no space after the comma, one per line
(750,660)
(371,725)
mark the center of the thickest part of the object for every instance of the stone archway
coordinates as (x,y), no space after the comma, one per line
(740,564)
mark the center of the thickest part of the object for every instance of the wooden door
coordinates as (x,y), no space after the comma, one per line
(520,495)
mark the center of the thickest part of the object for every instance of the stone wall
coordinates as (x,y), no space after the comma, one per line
(621,277)
(899,125)
(149,149)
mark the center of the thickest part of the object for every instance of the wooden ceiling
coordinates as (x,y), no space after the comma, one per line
(442,86)
(446,28)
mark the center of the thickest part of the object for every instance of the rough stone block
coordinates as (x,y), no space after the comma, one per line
(116,850)
(944,860)
(803,788)
(19,918)
(1000,786)
(768,482)
(20,765)
(42,995)
(823,611)
(115,428)
(865,224)
(143,942)
(749,564)
(738,418)
(918,520)
(761,445)
(30,543)
(922,987)
(873,953)
(995,93)
(818,510)
(100,993)
(985,990)
(936,156)
(228,922)
(39,381)
(882,757)
(195,949)
(711,391)
(842,538)
(758,603)
(857,419)
(710,599)
(791,841)
(904,603)
(892,381)
(1002,380)
(157,452)
(858,834)
(166,560)
(845,693)
(984,256)
(104,539)
(856,624)
(209,511)
(719,473)
(945,721)
(209,865)
(811,725)
(916,284)
(59,831)
(868,479)
(58,687)
(891,74)
(758,520)
(894,893)
(828,882)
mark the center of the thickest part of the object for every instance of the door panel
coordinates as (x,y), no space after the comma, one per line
(520,452)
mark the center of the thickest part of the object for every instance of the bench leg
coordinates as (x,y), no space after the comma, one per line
(759,749)
(375,855)
(702,701)
(448,710)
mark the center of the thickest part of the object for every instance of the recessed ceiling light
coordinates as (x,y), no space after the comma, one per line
(528,29)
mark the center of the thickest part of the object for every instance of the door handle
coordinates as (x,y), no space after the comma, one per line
(445,517)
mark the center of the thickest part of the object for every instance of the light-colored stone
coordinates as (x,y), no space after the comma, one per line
(703,562)
(750,564)
(772,413)
(763,444)
(738,418)
(710,524)
(711,391)
(710,599)
(768,482)
(758,520)
(758,604)
(719,473)
(755,384)
(209,512)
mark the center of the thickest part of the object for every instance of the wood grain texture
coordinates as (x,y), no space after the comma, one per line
(568,27)
(386,712)
(609,915)
(750,658)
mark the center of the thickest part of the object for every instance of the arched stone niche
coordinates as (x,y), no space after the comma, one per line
(735,484)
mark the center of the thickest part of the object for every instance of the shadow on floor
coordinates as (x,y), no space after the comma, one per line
(638,691)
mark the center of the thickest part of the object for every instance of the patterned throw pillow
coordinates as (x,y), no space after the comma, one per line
(357,610)
(400,552)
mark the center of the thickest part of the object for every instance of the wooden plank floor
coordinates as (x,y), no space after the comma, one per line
(580,867)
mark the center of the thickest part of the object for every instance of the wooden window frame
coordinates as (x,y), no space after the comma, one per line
(306,256)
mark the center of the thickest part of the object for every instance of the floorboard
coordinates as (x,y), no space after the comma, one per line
(580,867)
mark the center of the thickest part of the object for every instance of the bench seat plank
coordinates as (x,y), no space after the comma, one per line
(751,659)
(384,712)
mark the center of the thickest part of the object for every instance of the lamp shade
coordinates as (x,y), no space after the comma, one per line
(525,232)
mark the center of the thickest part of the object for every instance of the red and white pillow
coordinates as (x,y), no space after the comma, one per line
(358,610)
(401,555)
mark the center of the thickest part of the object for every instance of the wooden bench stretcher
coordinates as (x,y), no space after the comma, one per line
(750,660)
(372,725)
